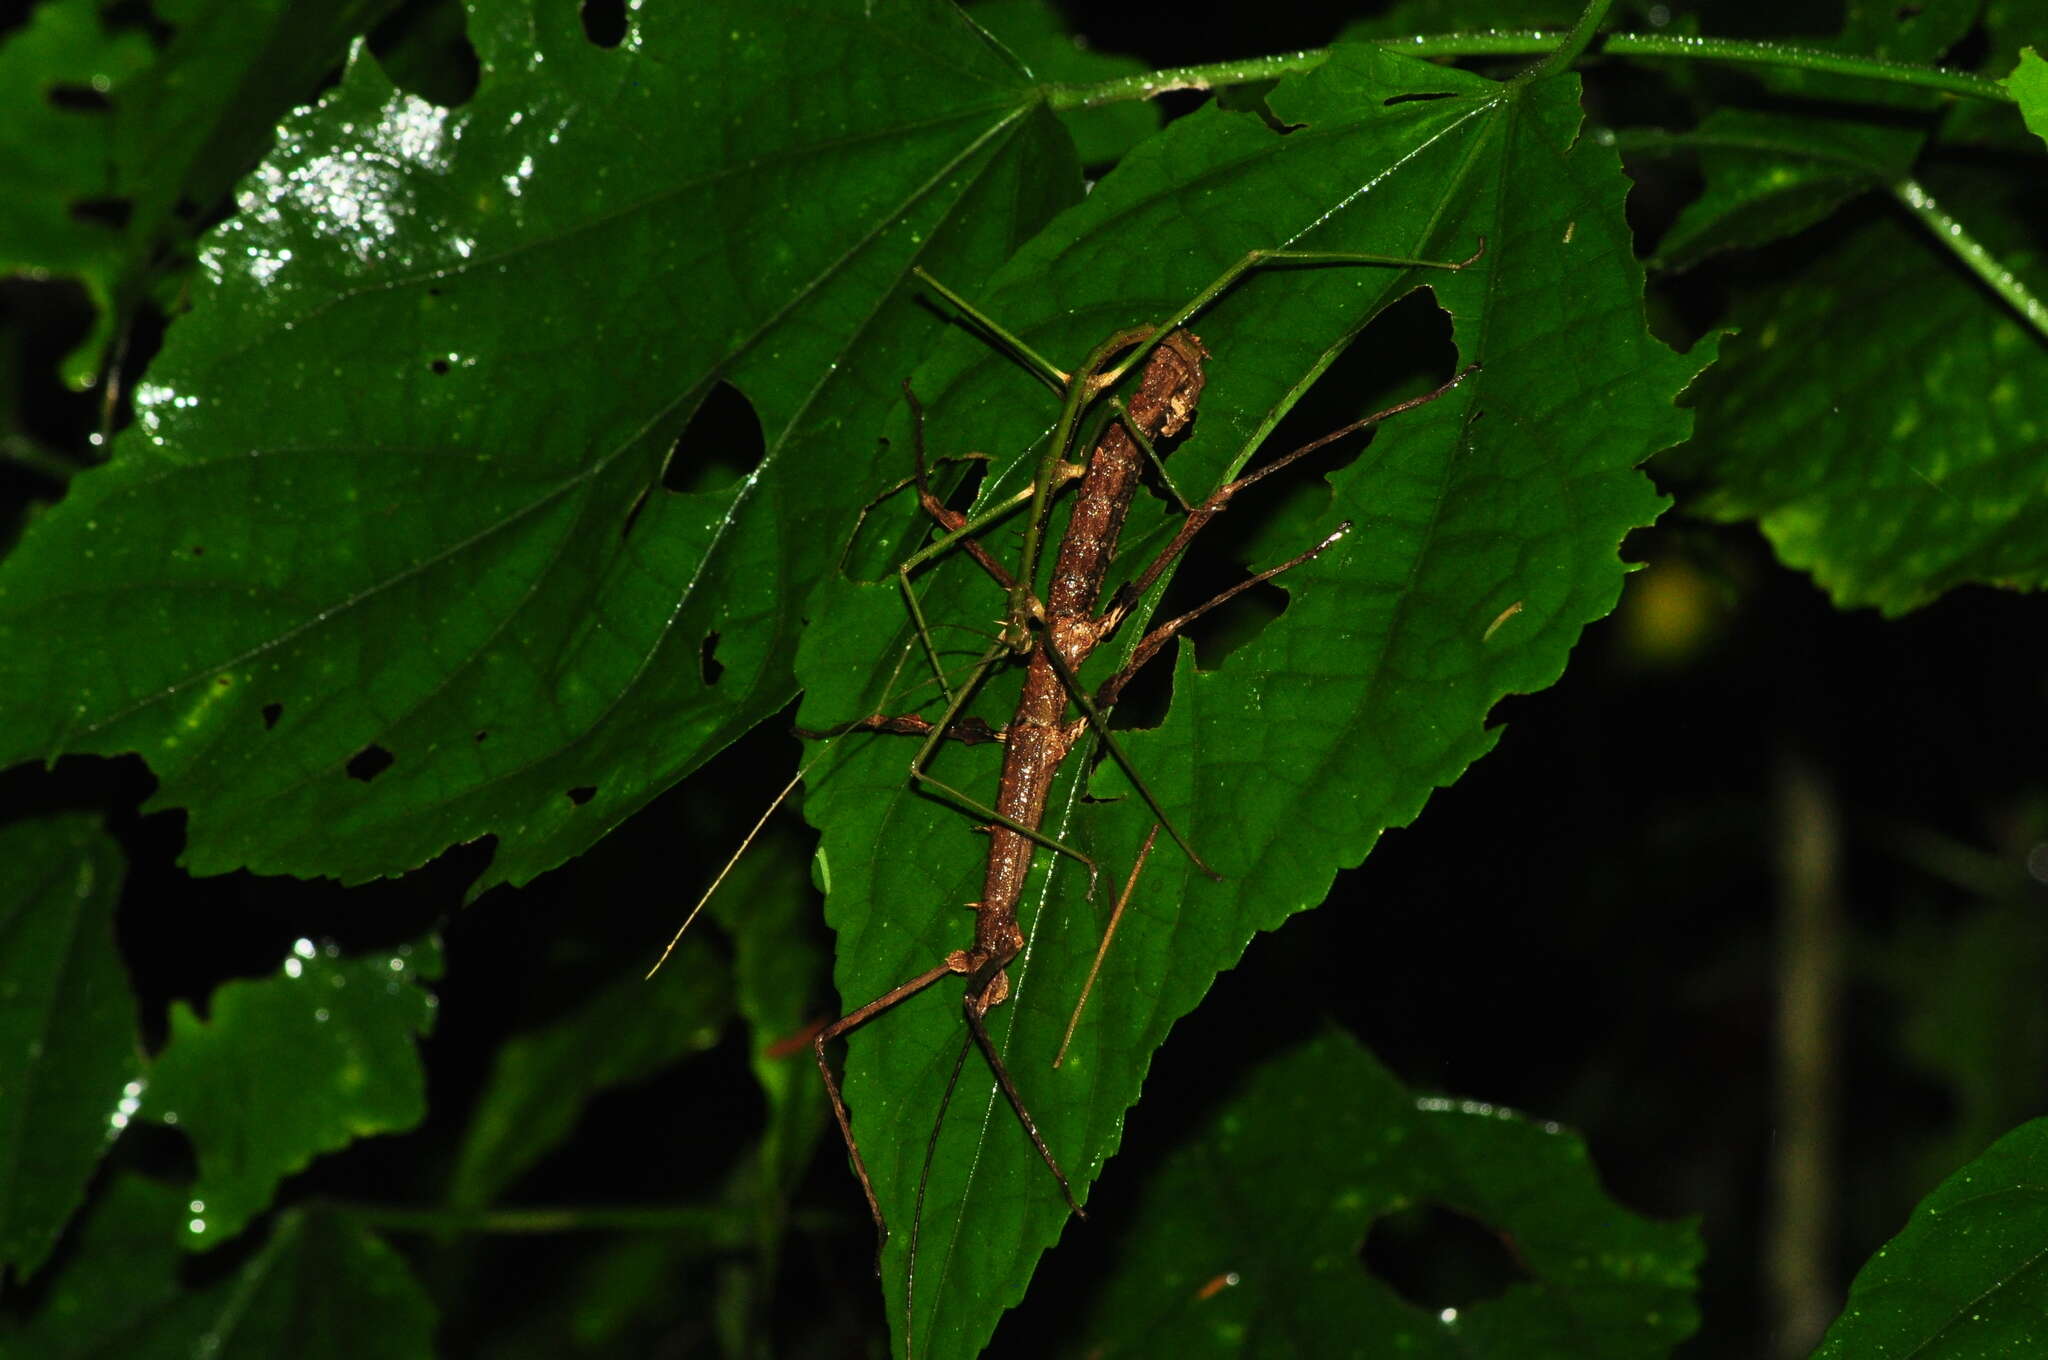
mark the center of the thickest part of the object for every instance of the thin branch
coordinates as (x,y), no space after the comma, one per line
(1537,43)
(1575,42)
(1972,253)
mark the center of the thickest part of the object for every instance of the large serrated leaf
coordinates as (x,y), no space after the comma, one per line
(68,1055)
(1486,539)
(1247,1240)
(387,563)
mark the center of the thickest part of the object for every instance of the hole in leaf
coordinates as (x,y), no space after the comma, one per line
(369,762)
(582,794)
(1437,1258)
(604,22)
(1250,98)
(107,212)
(1905,12)
(1422,98)
(74,98)
(271,713)
(707,660)
(721,444)
(1405,352)
(438,367)
(423,46)
(961,498)
(481,733)
(199,550)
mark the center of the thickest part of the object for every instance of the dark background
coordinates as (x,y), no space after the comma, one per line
(1584,927)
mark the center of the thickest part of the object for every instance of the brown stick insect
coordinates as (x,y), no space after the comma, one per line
(1053,635)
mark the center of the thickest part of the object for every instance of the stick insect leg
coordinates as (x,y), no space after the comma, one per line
(853,1020)
(938,734)
(1255,259)
(1220,500)
(975,1007)
(949,520)
(1102,950)
(1091,710)
(1149,647)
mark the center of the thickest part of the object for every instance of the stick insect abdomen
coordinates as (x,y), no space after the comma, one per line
(1040,734)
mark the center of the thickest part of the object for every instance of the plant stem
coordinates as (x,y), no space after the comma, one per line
(1806,59)
(1972,253)
(718,1229)
(1575,42)
(1809,987)
(1535,43)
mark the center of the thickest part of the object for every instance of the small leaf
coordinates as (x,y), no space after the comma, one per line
(781,976)
(290,1067)
(1247,1240)
(113,149)
(57,137)
(321,1287)
(1963,1279)
(2029,85)
(542,1079)
(1772,175)
(781,970)
(118,1279)
(69,1066)
(1895,471)
(1917,34)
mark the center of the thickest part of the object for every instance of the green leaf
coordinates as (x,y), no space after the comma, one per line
(58,151)
(290,1067)
(1965,988)
(68,1058)
(542,1079)
(781,970)
(202,113)
(118,1279)
(1772,175)
(388,559)
(175,129)
(2029,85)
(1037,34)
(1891,471)
(1247,1239)
(1963,1279)
(322,1286)
(1487,531)
(1918,34)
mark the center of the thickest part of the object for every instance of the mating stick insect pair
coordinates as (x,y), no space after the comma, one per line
(1053,634)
